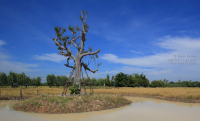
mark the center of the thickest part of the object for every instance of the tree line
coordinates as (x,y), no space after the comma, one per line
(13,79)
(119,80)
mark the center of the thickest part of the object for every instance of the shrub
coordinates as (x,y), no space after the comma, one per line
(74,89)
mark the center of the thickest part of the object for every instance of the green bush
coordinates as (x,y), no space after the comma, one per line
(74,89)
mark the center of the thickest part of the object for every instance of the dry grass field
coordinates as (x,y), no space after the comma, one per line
(174,94)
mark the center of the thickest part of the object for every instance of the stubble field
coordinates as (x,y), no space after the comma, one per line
(181,94)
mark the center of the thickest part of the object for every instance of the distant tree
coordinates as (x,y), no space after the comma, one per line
(21,78)
(111,83)
(58,80)
(142,77)
(108,80)
(44,84)
(179,81)
(121,80)
(165,81)
(130,78)
(3,78)
(190,83)
(38,81)
(157,83)
(199,84)
(136,80)
(195,84)
(100,82)
(186,83)
(51,80)
(33,82)
(1,83)
(27,80)
(113,78)
(145,82)
(63,80)
(94,82)
(12,78)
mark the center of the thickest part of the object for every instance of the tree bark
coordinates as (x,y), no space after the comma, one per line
(77,72)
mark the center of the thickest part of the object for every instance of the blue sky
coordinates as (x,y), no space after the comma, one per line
(134,37)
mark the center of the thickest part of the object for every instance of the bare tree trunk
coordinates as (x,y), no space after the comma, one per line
(77,73)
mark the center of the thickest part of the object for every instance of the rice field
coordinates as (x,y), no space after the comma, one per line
(177,93)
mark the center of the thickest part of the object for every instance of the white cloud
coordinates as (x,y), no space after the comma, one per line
(17,67)
(160,67)
(3,55)
(51,57)
(185,44)
(2,42)
(101,74)
(180,46)
(147,61)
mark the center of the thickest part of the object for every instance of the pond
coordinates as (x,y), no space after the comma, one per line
(142,109)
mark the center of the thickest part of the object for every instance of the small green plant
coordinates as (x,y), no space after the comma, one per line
(34,103)
(74,89)
(190,97)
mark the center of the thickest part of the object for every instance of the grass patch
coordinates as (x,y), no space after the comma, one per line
(71,104)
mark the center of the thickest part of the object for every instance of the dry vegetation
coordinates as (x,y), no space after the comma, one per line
(31,91)
(174,94)
(71,104)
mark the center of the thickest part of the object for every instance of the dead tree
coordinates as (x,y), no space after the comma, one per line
(64,44)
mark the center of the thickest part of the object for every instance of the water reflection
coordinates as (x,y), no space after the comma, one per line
(7,104)
(142,100)
(142,109)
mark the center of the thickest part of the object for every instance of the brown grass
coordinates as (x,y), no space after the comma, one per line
(71,104)
(183,94)
(173,94)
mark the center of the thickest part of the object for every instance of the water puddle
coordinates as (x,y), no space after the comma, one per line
(142,109)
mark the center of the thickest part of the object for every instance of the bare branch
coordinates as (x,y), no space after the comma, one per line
(74,40)
(65,54)
(69,53)
(86,67)
(82,42)
(70,66)
(83,31)
(90,53)
(55,40)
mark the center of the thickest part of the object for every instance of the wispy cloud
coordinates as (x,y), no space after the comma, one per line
(101,74)
(2,42)
(185,44)
(3,55)
(50,57)
(136,52)
(146,61)
(6,65)
(17,67)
